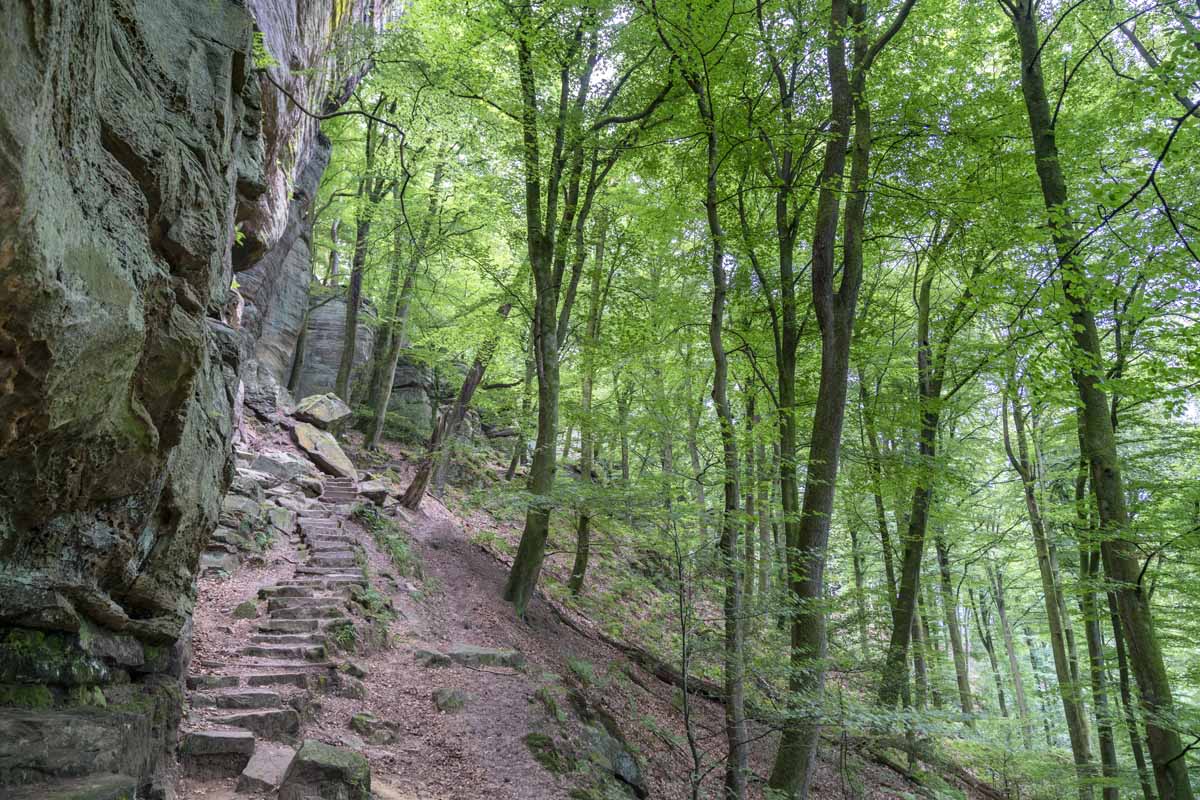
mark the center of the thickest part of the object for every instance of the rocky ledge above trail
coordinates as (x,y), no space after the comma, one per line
(138,139)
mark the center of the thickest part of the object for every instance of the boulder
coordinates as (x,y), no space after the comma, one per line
(312,487)
(324,451)
(282,519)
(449,700)
(285,466)
(246,610)
(322,772)
(375,491)
(266,769)
(373,729)
(472,656)
(611,754)
(322,410)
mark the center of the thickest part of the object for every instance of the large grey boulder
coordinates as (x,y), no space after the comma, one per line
(322,410)
(322,772)
(324,450)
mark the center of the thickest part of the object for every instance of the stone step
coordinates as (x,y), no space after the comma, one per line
(285,591)
(278,725)
(310,527)
(238,699)
(323,547)
(298,679)
(92,787)
(289,626)
(283,651)
(331,571)
(327,583)
(216,752)
(332,560)
(266,769)
(325,613)
(288,638)
(211,681)
(330,536)
(279,603)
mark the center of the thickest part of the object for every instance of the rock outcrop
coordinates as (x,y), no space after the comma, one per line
(323,343)
(142,162)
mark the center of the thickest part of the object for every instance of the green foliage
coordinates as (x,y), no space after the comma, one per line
(390,538)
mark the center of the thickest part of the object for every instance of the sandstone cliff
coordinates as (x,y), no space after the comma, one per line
(136,141)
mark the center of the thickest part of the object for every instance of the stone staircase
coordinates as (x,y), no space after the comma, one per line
(247,714)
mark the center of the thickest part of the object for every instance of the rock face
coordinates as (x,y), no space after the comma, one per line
(323,343)
(135,141)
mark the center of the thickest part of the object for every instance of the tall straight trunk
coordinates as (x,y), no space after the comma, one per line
(1089,569)
(983,624)
(920,667)
(693,446)
(1127,703)
(932,360)
(996,582)
(950,609)
(591,341)
(362,235)
(331,274)
(860,599)
(395,343)
(764,484)
(400,290)
(1122,562)
(925,660)
(737,762)
(370,189)
(875,470)
(623,401)
(929,393)
(519,446)
(834,306)
(451,420)
(1040,684)
(532,550)
(567,442)
(1068,686)
(752,512)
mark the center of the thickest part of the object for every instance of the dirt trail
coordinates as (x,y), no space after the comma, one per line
(479,752)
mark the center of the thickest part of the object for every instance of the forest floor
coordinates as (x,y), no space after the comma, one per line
(483,750)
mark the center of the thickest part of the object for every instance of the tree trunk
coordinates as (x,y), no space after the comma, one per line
(1068,687)
(334,257)
(835,306)
(983,623)
(996,582)
(1121,561)
(950,609)
(591,341)
(353,300)
(519,446)
(1127,704)
(752,511)
(450,421)
(860,598)
(395,339)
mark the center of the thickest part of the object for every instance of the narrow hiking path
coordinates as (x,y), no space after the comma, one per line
(465,701)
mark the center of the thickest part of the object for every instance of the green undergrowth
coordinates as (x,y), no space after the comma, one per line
(390,538)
